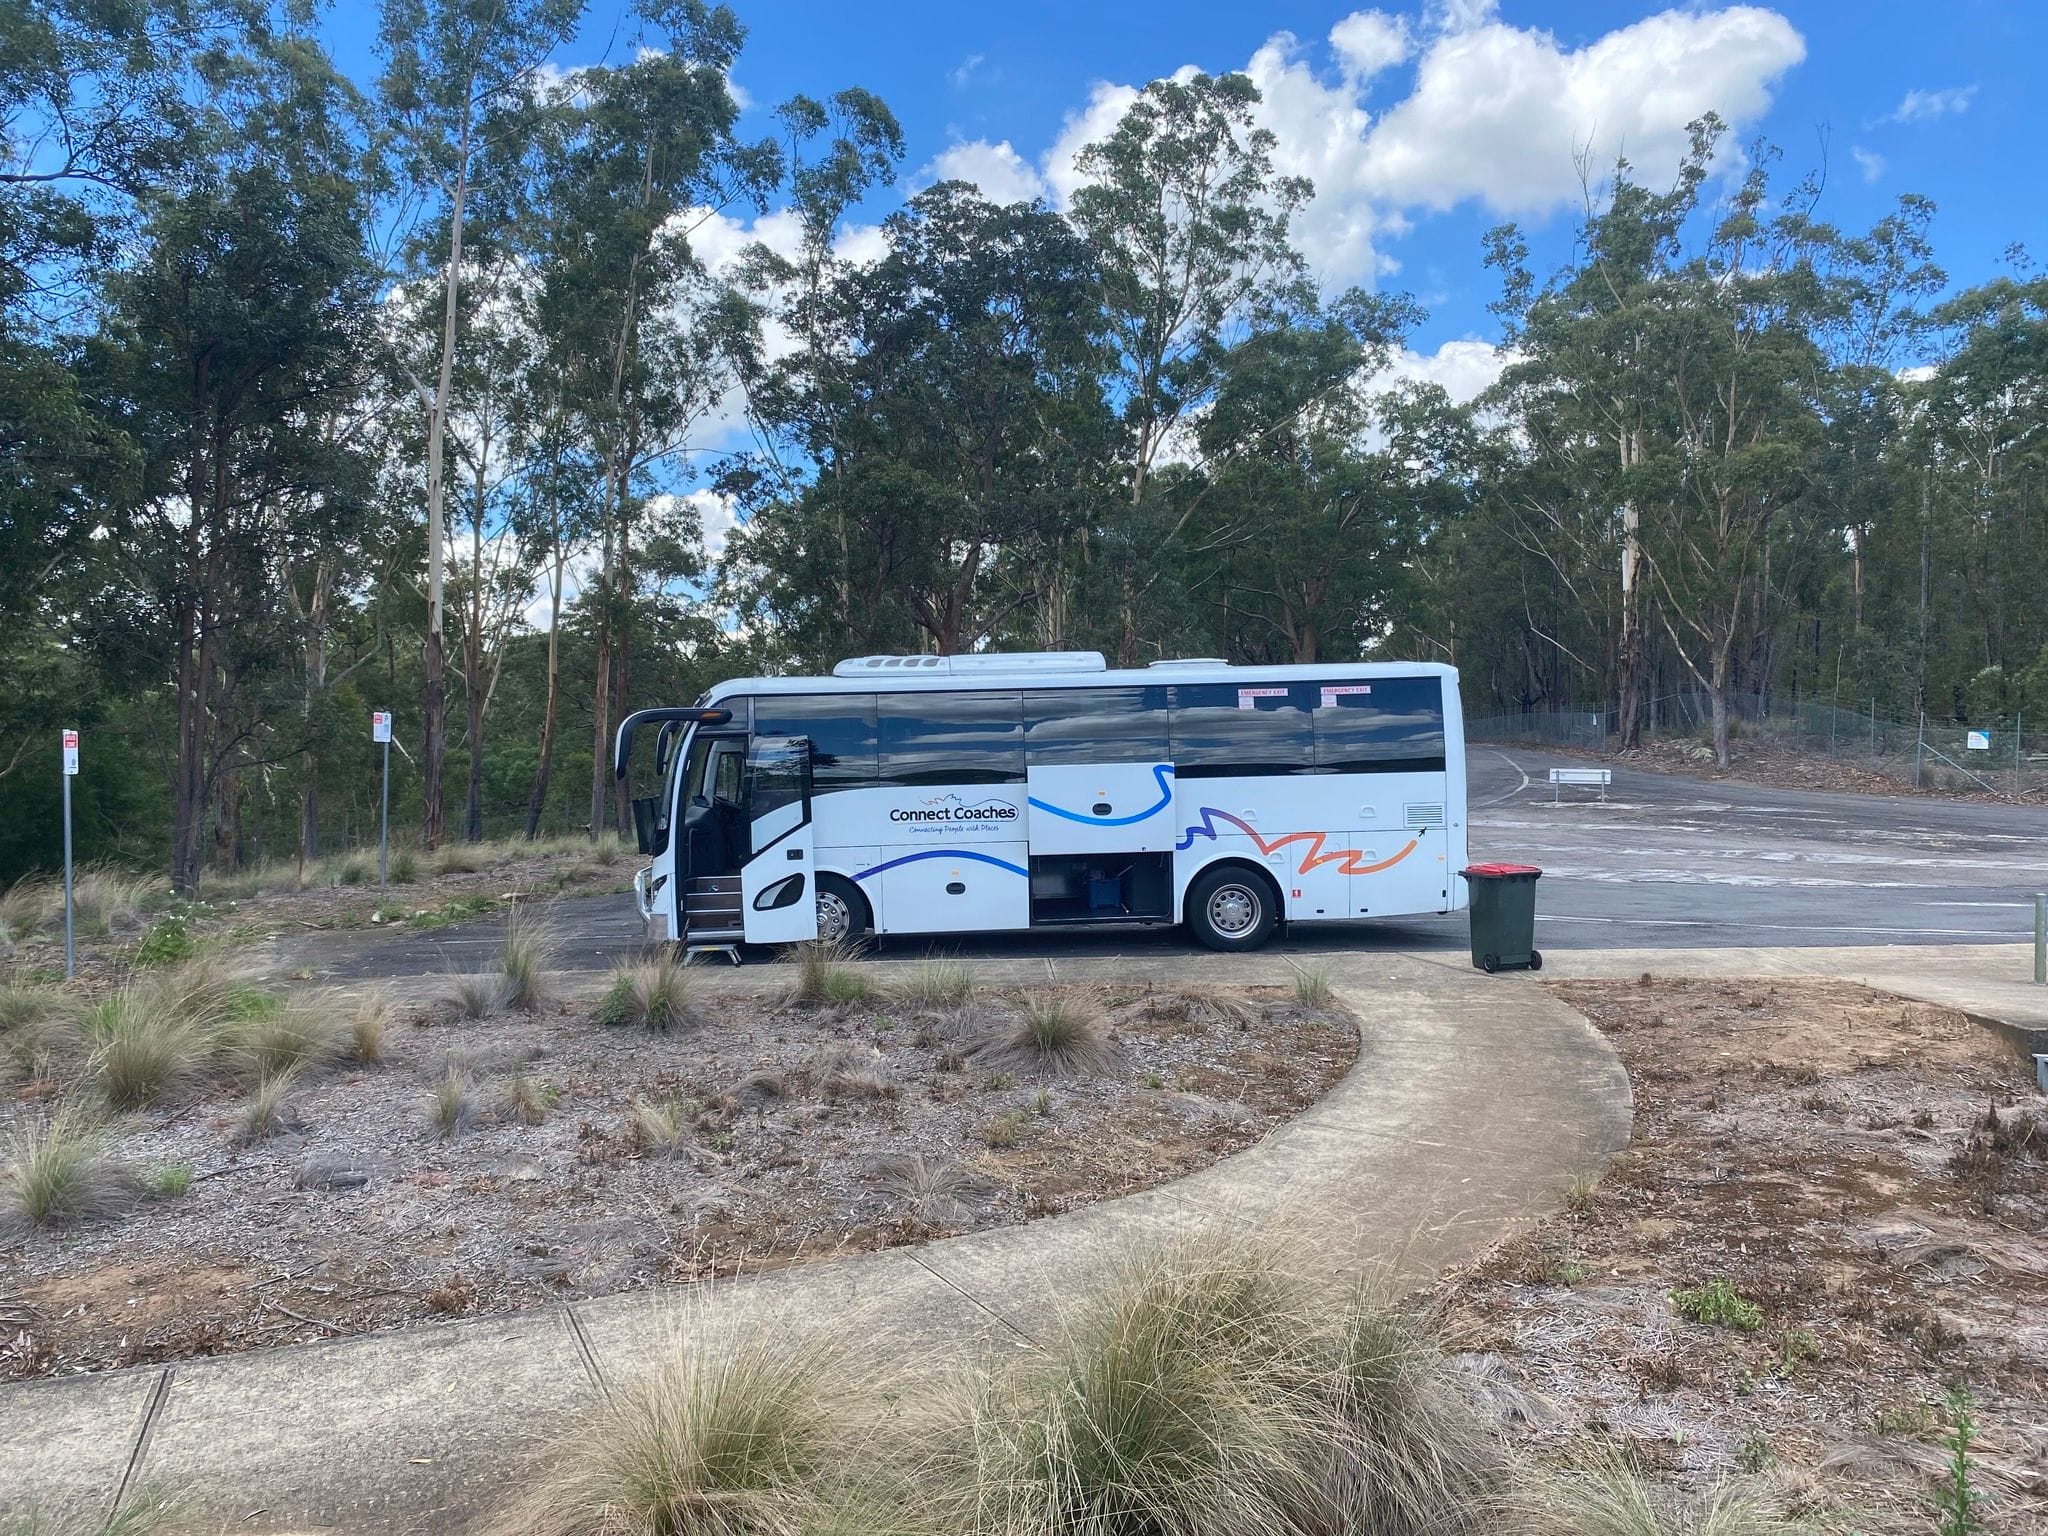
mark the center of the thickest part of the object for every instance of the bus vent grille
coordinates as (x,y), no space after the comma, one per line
(1423,815)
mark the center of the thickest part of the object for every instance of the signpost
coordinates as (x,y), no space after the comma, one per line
(70,773)
(380,731)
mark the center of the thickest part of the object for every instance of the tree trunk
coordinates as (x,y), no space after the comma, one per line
(1633,654)
(434,746)
(316,685)
(537,797)
(601,703)
(1719,700)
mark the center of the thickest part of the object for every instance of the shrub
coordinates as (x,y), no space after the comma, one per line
(167,943)
(824,978)
(607,850)
(292,1037)
(30,903)
(403,866)
(939,984)
(104,901)
(170,1181)
(752,1438)
(651,994)
(1051,1033)
(57,1171)
(1719,1304)
(353,870)
(522,968)
(460,859)
(451,1103)
(38,1028)
(1312,989)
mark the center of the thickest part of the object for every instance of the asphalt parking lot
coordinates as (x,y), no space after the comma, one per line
(1661,862)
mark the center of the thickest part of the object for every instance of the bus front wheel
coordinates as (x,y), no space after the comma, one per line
(1232,909)
(842,911)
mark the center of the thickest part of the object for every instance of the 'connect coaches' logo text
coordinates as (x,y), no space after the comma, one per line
(950,808)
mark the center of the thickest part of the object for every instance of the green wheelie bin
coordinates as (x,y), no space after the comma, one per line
(1503,916)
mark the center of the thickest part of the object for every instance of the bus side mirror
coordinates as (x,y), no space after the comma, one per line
(643,823)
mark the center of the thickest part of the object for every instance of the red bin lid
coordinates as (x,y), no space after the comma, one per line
(1500,869)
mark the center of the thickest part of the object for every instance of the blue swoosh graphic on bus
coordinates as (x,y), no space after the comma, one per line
(1160,771)
(947,853)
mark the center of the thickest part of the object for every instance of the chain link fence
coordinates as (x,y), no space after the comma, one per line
(2008,756)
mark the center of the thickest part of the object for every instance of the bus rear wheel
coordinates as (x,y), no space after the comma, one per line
(1232,909)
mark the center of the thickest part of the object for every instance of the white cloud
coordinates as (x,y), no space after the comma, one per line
(1498,113)
(1463,369)
(1869,163)
(1926,106)
(1368,43)
(1107,104)
(965,71)
(1458,15)
(1003,175)
(718,515)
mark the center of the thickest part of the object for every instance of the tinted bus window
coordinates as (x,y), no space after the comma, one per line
(1096,725)
(841,727)
(952,738)
(1389,725)
(1221,729)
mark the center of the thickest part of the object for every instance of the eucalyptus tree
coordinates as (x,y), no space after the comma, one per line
(967,441)
(227,344)
(1190,225)
(647,155)
(457,95)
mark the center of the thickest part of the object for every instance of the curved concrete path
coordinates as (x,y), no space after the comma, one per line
(1474,1102)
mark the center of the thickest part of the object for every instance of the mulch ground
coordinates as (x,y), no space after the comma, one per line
(1871,1175)
(806,1132)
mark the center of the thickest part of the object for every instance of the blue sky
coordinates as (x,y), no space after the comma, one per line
(1424,123)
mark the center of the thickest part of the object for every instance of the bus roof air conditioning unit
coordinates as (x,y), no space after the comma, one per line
(975,665)
(1192,661)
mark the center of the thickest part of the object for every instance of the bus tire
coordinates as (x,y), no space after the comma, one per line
(1232,907)
(843,913)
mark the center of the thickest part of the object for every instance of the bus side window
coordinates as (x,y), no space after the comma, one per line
(1096,725)
(1222,730)
(952,738)
(1387,725)
(841,728)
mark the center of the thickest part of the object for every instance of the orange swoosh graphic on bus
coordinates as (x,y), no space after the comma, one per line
(1314,858)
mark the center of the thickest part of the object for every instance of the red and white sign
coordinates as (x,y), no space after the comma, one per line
(1248,698)
(71,752)
(1338,691)
(380,725)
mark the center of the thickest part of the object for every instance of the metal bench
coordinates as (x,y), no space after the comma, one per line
(1589,778)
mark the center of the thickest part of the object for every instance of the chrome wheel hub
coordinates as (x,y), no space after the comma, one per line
(835,919)
(1234,910)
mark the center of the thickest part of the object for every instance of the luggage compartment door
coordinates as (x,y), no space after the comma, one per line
(1101,808)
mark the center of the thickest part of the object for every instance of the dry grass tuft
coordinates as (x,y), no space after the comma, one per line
(753,1439)
(142,1044)
(662,1127)
(57,1171)
(1312,989)
(451,1103)
(1052,1034)
(1610,1499)
(38,1029)
(526,1100)
(650,994)
(473,994)
(271,1108)
(826,977)
(850,1072)
(933,1190)
(296,1036)
(367,1023)
(939,984)
(522,969)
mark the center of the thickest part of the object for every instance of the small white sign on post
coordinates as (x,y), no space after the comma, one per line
(380,725)
(71,753)
(1977,741)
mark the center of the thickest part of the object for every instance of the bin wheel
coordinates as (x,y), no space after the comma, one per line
(1489,963)
(1535,959)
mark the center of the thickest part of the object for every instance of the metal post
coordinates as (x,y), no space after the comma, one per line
(1919,748)
(1873,730)
(2041,938)
(384,824)
(70,949)
(2019,718)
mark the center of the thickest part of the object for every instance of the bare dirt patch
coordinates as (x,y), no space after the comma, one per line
(1870,1175)
(582,1159)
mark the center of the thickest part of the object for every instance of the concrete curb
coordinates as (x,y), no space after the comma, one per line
(1474,1103)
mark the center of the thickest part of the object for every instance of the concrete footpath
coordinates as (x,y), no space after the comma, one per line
(1473,1104)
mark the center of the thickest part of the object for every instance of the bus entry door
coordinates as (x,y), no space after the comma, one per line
(778,901)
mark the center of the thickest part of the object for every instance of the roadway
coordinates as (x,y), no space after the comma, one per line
(1663,862)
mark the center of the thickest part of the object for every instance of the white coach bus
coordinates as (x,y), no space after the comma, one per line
(962,794)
